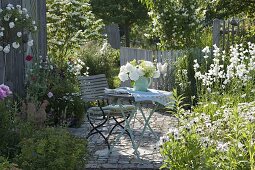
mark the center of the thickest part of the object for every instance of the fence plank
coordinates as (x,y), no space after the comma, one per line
(113,35)
(15,66)
(216,32)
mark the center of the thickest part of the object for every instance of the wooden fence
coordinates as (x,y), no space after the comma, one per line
(170,57)
(228,32)
(12,72)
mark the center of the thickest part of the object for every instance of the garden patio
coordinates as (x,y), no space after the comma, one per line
(127,84)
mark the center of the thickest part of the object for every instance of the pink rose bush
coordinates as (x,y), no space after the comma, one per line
(4,91)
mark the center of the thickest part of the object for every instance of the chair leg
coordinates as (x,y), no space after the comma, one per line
(118,124)
(97,131)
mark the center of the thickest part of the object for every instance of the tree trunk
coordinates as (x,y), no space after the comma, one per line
(127,31)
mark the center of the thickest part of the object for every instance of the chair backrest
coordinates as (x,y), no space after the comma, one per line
(92,87)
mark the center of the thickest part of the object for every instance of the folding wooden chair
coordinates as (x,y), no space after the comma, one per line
(92,90)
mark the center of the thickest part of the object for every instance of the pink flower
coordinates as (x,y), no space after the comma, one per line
(4,91)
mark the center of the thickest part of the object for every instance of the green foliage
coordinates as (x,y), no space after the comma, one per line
(65,109)
(69,25)
(38,79)
(123,12)
(12,129)
(6,165)
(177,23)
(52,149)
(184,75)
(178,105)
(228,8)
(217,134)
(101,60)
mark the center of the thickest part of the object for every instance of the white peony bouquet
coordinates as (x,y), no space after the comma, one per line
(133,70)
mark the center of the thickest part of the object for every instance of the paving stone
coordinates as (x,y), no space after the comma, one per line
(88,166)
(122,156)
(108,166)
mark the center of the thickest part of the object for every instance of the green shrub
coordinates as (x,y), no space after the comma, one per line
(184,75)
(5,164)
(54,149)
(67,108)
(101,60)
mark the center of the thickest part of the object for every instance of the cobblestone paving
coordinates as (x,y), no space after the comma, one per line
(122,156)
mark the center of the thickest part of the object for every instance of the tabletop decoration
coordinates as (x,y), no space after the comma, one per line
(141,72)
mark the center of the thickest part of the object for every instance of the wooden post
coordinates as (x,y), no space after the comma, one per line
(216,32)
(113,35)
(42,30)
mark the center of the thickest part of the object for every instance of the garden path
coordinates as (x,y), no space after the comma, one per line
(122,157)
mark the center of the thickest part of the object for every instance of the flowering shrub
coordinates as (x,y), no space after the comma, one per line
(75,66)
(4,91)
(212,137)
(147,69)
(15,22)
(176,23)
(70,24)
(38,78)
(233,72)
(101,58)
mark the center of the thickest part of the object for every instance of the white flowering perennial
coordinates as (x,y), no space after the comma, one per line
(230,130)
(134,71)
(75,67)
(238,66)
(14,21)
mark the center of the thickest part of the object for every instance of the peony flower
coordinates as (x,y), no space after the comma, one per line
(15,45)
(19,34)
(18,6)
(30,43)
(24,10)
(8,8)
(10,5)
(4,91)
(1,48)
(29,58)
(6,17)
(123,76)
(7,49)
(2,94)
(11,25)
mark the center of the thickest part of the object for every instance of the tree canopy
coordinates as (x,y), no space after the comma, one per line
(122,12)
